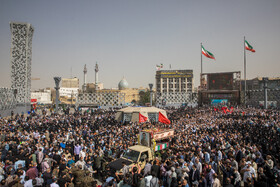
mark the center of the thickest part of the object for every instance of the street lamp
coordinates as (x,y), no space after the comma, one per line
(57,81)
(151,94)
(265,79)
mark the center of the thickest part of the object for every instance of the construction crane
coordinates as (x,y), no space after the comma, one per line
(35,78)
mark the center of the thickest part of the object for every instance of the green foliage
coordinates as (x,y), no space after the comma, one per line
(144,98)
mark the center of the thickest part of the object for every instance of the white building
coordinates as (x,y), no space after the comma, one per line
(42,97)
(69,92)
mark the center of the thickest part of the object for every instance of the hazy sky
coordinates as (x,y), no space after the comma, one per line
(129,37)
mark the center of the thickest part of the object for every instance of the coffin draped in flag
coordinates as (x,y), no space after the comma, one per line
(142,118)
(163,119)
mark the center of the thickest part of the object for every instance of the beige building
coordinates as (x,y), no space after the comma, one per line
(90,87)
(70,82)
(123,95)
(131,94)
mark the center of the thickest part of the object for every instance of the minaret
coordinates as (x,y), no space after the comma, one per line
(96,76)
(85,78)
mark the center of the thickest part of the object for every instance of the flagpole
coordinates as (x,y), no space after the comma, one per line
(201,65)
(244,73)
(200,95)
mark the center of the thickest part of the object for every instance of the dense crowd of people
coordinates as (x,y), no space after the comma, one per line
(211,148)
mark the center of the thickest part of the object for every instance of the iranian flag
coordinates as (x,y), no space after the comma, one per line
(207,53)
(158,67)
(249,47)
(161,146)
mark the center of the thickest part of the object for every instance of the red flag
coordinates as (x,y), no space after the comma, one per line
(142,118)
(163,119)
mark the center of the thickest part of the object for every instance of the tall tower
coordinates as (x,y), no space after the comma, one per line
(21,54)
(96,76)
(85,78)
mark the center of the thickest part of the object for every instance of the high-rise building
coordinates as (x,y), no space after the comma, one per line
(21,55)
(171,81)
(174,87)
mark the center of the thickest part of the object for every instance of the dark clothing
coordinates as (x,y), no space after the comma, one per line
(47,178)
(229,185)
(156,169)
(194,176)
(135,179)
(62,167)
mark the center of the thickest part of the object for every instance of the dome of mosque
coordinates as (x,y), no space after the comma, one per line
(123,84)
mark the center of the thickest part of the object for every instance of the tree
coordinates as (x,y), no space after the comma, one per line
(144,97)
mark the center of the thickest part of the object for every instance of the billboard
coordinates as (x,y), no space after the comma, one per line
(215,102)
(220,81)
(174,74)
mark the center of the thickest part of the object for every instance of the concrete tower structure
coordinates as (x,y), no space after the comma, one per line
(96,76)
(85,78)
(57,81)
(21,55)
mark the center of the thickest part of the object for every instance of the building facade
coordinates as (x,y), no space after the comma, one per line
(42,96)
(69,90)
(255,91)
(70,82)
(174,87)
(119,97)
(258,83)
(21,55)
(102,99)
(220,88)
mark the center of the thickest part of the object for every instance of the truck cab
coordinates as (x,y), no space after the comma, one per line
(135,155)
(149,141)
